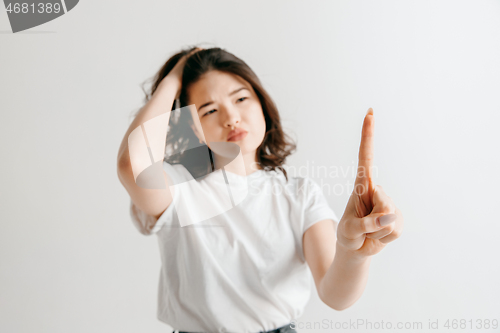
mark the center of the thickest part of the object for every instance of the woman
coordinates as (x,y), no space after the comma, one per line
(246,267)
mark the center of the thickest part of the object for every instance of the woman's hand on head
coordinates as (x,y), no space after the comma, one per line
(175,75)
(359,231)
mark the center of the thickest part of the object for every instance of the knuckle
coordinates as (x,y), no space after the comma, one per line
(387,207)
(382,235)
(361,225)
(381,190)
(391,227)
(398,211)
(368,156)
(364,224)
(400,216)
(385,240)
(392,207)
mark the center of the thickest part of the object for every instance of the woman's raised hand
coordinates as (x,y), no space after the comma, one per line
(370,220)
(175,74)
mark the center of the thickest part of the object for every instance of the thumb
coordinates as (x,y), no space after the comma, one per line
(383,220)
(370,223)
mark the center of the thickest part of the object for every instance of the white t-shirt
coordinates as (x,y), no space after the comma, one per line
(240,271)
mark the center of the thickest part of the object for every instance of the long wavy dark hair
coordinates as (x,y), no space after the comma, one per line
(275,147)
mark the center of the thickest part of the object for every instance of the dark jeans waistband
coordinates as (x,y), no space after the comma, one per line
(283,329)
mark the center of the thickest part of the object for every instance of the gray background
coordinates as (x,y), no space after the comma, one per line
(71,259)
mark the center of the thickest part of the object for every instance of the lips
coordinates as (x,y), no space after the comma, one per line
(237,134)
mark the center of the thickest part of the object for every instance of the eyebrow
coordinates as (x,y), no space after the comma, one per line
(210,102)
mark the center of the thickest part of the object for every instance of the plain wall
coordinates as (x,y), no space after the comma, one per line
(70,257)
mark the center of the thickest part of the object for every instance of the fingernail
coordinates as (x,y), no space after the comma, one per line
(386,219)
(370,111)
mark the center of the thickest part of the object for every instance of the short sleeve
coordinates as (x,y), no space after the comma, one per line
(147,224)
(316,206)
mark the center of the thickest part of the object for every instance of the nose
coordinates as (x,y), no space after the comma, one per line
(232,117)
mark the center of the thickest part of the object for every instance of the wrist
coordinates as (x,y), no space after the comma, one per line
(350,255)
(170,84)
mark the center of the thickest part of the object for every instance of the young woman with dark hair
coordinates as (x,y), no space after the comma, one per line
(238,238)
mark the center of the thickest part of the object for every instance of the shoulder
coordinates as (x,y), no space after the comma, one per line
(306,187)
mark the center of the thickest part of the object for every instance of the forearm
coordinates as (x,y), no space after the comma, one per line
(345,280)
(160,103)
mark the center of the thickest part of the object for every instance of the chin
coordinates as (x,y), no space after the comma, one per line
(244,147)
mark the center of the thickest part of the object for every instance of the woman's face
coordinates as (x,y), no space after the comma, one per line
(225,101)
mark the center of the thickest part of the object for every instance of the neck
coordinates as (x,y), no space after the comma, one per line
(235,166)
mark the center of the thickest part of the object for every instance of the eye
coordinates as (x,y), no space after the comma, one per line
(242,99)
(209,112)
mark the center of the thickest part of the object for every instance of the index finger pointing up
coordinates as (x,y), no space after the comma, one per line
(365,157)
